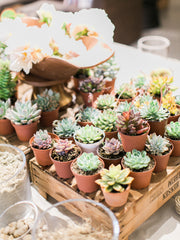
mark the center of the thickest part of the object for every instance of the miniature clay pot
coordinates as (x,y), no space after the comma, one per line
(47,118)
(158,127)
(83,124)
(176,150)
(6,127)
(111,134)
(87,97)
(173,118)
(109,86)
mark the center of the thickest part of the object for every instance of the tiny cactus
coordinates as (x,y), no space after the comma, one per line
(112,146)
(4,105)
(106,101)
(88,162)
(42,140)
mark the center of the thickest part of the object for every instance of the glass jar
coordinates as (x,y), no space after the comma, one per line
(14,179)
(81,218)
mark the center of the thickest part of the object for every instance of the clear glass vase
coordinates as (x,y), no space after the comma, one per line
(77,219)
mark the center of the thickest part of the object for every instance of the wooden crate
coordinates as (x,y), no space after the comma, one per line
(140,206)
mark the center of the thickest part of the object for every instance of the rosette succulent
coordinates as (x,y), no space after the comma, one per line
(4,105)
(123,107)
(88,162)
(42,140)
(125,91)
(87,115)
(112,146)
(106,101)
(91,85)
(173,130)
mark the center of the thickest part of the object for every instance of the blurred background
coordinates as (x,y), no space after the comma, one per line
(132,18)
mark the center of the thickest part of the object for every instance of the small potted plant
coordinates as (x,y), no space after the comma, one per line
(80,76)
(156,116)
(115,185)
(125,92)
(160,149)
(86,170)
(90,89)
(62,155)
(24,117)
(172,132)
(86,116)
(48,102)
(65,128)
(133,130)
(88,138)
(123,107)
(111,152)
(6,127)
(107,122)
(41,143)
(105,101)
(141,166)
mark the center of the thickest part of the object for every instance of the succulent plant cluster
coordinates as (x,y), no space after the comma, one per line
(91,85)
(131,123)
(173,130)
(125,91)
(106,120)
(65,127)
(48,100)
(115,179)
(87,115)
(89,134)
(42,140)
(106,101)
(112,146)
(168,102)
(136,160)
(123,107)
(140,81)
(141,100)
(4,105)
(157,145)
(88,162)
(23,113)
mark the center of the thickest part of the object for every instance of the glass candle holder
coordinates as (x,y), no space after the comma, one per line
(14,179)
(78,218)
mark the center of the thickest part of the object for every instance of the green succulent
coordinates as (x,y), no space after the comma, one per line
(154,112)
(65,127)
(157,145)
(140,81)
(23,113)
(173,130)
(115,179)
(177,99)
(106,101)
(42,140)
(4,105)
(89,134)
(136,160)
(87,115)
(48,100)
(123,107)
(106,120)
(125,91)
(88,162)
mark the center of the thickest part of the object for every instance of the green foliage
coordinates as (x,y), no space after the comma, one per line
(115,179)
(136,160)
(8,84)
(23,113)
(112,146)
(4,105)
(123,107)
(42,140)
(140,81)
(88,162)
(106,120)
(91,85)
(106,101)
(125,91)
(173,130)
(87,115)
(65,127)
(48,100)
(157,145)
(89,134)
(154,112)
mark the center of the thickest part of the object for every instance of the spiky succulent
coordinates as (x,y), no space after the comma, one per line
(173,130)
(42,140)
(88,162)
(131,123)
(91,85)
(125,91)
(4,105)
(136,160)
(177,99)
(48,100)
(112,146)
(87,115)
(106,120)
(106,101)
(157,145)
(115,179)
(154,112)
(65,127)
(123,107)
(23,113)
(89,134)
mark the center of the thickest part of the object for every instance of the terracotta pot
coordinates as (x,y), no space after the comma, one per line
(63,169)
(109,86)
(111,134)
(161,161)
(116,199)
(141,179)
(86,96)
(86,183)
(83,124)
(173,118)
(133,142)
(6,127)
(25,132)
(47,118)
(68,138)
(176,150)
(158,127)
(42,155)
